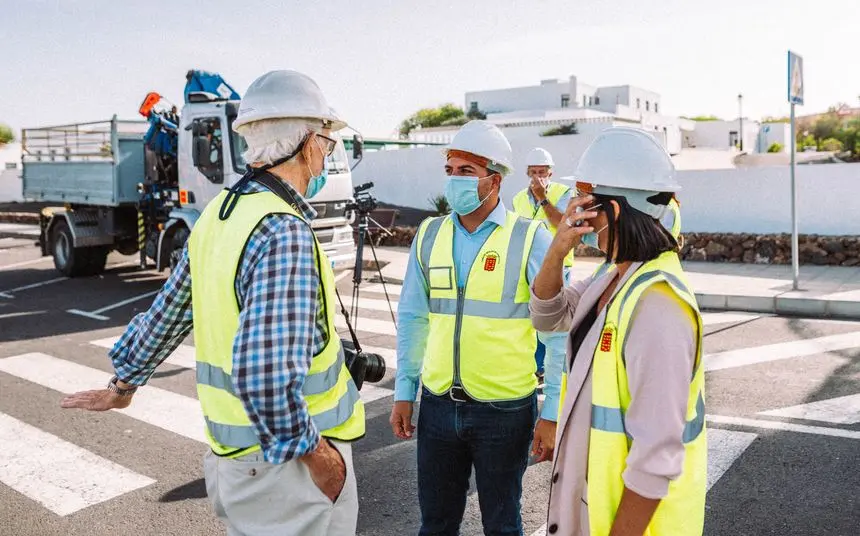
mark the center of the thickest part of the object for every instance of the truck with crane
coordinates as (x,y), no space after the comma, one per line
(138,187)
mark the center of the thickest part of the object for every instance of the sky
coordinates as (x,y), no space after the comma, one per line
(378,61)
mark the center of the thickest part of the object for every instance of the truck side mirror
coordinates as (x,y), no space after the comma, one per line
(357,146)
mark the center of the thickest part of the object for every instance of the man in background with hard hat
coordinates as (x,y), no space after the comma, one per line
(464,332)
(279,404)
(546,201)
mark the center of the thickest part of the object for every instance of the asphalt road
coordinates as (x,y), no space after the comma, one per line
(783,400)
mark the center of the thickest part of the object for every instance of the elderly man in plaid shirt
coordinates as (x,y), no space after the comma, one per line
(257,289)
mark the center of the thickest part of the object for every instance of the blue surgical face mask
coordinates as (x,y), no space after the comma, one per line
(462,194)
(317,182)
(591,239)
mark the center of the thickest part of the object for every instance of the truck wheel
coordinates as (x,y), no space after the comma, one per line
(72,261)
(177,243)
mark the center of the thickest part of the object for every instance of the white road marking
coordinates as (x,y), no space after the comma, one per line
(166,410)
(783,350)
(9,293)
(369,325)
(59,475)
(183,356)
(726,318)
(341,275)
(841,410)
(377,287)
(389,354)
(25,263)
(724,447)
(784,426)
(375,305)
(370,392)
(97,314)
(27,313)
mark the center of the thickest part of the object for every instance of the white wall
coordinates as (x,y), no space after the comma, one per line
(10,179)
(715,134)
(771,133)
(752,200)
(542,97)
(758,200)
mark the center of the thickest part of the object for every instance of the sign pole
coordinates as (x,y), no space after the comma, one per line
(795,96)
(795,253)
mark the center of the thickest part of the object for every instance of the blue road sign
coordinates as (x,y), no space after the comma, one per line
(795,78)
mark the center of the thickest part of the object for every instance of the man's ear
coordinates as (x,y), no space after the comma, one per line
(308,147)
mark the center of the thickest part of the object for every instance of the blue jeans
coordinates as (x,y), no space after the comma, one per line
(454,436)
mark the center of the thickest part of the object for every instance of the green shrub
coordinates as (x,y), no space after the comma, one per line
(831,144)
(775,147)
(6,134)
(561,130)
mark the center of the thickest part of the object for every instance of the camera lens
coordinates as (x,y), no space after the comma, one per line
(375,369)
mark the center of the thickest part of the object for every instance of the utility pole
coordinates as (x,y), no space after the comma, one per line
(741,119)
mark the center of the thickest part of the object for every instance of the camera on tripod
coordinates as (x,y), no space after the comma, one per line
(363,366)
(363,203)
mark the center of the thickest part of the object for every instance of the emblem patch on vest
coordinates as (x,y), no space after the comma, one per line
(606,340)
(490,258)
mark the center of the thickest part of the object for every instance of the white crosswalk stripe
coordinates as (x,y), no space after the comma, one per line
(59,475)
(840,410)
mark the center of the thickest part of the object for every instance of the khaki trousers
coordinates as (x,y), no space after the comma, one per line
(256,498)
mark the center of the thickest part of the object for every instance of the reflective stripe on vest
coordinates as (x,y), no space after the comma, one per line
(682,510)
(480,336)
(215,252)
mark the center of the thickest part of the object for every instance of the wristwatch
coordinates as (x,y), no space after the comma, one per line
(545,202)
(112,386)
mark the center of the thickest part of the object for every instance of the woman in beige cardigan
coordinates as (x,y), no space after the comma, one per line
(636,466)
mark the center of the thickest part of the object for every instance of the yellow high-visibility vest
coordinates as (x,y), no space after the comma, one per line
(215,250)
(523,207)
(682,510)
(480,337)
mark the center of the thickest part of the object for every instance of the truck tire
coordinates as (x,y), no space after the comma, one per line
(72,261)
(177,243)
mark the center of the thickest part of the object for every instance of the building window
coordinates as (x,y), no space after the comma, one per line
(11,165)
(473,106)
(584,101)
(638,104)
(647,106)
(656,108)
(590,101)
(565,101)
(596,101)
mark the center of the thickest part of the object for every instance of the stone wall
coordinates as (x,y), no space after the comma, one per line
(720,247)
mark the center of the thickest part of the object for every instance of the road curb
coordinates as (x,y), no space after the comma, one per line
(779,305)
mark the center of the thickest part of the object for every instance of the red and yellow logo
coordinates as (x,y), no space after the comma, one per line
(606,340)
(490,259)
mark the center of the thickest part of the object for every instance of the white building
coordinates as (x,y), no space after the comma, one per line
(526,114)
(11,187)
(757,137)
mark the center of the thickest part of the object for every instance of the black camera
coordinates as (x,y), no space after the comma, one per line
(362,366)
(364,202)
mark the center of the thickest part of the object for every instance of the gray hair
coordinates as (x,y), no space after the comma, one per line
(269,140)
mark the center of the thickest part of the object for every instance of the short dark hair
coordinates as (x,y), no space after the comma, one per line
(641,237)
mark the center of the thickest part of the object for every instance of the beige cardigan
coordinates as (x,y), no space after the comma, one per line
(659,354)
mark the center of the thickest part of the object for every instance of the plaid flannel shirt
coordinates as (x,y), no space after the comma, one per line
(281,327)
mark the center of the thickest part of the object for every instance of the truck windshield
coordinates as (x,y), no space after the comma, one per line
(338,162)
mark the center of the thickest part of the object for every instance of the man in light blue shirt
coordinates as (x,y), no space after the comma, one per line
(455,430)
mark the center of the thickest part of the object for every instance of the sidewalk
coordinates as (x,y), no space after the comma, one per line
(825,291)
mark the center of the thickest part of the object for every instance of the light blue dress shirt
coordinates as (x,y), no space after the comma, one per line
(562,201)
(413,311)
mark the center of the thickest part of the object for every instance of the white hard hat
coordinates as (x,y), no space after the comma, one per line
(484,139)
(286,95)
(539,157)
(627,162)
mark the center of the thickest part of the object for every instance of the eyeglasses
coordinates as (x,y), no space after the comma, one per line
(327,144)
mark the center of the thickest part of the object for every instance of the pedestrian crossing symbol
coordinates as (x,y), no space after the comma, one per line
(795,78)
